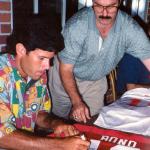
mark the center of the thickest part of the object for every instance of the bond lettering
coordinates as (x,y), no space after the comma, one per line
(122,142)
(105,138)
(115,140)
(132,144)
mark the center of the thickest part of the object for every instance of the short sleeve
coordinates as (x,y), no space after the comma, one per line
(137,42)
(6,117)
(72,47)
(74,33)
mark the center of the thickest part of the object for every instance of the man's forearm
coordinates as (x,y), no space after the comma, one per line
(47,121)
(19,140)
(131,86)
(70,84)
(79,111)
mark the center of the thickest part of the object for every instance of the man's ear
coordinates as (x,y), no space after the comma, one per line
(20,49)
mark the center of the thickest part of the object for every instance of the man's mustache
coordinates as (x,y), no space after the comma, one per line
(104,17)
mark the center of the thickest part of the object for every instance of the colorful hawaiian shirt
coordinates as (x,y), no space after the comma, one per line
(20,101)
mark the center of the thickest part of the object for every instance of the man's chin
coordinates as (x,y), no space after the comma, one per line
(36,77)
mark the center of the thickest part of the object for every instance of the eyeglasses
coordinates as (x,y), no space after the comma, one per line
(109,9)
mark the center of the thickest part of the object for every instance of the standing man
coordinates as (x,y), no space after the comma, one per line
(24,99)
(96,38)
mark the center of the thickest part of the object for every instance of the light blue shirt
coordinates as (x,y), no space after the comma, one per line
(82,44)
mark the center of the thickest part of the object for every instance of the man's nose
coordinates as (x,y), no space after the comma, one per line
(105,13)
(46,65)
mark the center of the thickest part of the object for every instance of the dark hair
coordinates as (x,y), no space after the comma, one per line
(35,33)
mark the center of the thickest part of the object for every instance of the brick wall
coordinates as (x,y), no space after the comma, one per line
(5,21)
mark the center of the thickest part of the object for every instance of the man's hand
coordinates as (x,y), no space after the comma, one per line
(65,129)
(47,121)
(80,112)
(73,143)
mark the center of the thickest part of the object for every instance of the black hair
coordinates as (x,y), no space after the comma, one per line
(35,33)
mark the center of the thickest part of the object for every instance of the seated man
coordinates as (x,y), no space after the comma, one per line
(131,73)
(24,98)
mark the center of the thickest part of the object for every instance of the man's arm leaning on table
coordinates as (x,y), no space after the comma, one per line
(23,141)
(47,121)
(20,140)
(131,86)
(79,109)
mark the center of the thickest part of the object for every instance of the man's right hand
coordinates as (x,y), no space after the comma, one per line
(80,112)
(73,143)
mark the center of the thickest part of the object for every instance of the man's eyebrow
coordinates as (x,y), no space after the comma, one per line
(44,57)
(113,4)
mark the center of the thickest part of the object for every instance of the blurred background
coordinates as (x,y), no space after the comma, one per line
(57,12)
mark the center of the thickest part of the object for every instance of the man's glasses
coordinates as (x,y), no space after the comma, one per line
(109,9)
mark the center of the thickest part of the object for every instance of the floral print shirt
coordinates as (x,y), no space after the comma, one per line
(20,101)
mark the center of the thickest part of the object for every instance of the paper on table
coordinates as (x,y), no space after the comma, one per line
(94,144)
